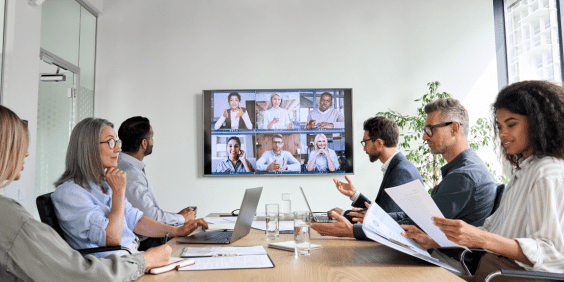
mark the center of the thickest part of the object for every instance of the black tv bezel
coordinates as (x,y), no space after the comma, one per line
(207,122)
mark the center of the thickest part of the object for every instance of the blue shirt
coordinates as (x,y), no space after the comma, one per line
(467,191)
(268,157)
(227,166)
(83,216)
(321,163)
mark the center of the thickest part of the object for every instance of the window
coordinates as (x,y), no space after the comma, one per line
(528,40)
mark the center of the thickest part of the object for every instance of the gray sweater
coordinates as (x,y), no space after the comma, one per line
(33,251)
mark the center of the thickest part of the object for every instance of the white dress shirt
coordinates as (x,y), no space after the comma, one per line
(532,212)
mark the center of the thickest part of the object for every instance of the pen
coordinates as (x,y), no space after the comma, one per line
(165,239)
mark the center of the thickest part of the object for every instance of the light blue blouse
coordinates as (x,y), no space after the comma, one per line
(83,216)
(321,163)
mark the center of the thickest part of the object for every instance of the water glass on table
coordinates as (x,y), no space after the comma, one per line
(287,206)
(272,222)
(302,220)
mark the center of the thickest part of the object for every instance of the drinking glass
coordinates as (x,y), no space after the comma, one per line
(287,206)
(272,224)
(302,220)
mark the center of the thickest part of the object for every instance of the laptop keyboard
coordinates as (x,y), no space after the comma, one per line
(219,236)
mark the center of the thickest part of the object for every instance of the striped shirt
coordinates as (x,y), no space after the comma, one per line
(532,212)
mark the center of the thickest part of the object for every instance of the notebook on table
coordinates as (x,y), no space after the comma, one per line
(316,217)
(242,225)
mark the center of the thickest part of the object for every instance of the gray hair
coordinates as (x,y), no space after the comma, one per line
(83,163)
(451,110)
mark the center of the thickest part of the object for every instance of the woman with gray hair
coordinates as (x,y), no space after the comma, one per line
(33,251)
(323,158)
(90,198)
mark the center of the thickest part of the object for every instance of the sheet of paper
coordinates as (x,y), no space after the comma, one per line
(377,221)
(282,226)
(221,220)
(238,262)
(420,207)
(380,227)
(210,251)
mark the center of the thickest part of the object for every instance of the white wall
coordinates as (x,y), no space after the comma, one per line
(155,58)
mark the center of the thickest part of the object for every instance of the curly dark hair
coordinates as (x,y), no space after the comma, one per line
(543,104)
(383,128)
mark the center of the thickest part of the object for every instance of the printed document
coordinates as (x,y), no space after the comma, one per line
(190,252)
(232,262)
(420,207)
(380,227)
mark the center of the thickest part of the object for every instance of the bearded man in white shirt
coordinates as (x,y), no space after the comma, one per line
(136,134)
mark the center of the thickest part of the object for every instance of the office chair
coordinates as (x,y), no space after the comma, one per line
(47,215)
(472,262)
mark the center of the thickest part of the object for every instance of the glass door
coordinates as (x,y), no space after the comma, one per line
(56,116)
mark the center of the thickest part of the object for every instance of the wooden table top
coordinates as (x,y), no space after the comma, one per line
(338,260)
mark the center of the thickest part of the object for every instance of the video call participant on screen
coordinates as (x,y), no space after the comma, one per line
(467,190)
(136,134)
(90,201)
(236,158)
(526,231)
(235,117)
(380,140)
(33,251)
(278,159)
(325,116)
(276,117)
(322,158)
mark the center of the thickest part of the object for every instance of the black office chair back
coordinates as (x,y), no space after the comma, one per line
(47,214)
(498,194)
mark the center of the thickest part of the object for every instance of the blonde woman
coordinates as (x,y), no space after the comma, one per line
(276,117)
(323,158)
(33,251)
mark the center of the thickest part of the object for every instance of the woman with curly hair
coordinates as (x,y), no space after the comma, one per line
(527,230)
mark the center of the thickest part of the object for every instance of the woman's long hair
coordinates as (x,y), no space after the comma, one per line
(14,140)
(83,163)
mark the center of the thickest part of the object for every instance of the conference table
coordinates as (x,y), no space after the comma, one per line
(339,259)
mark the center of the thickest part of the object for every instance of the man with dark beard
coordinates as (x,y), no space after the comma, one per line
(136,134)
(380,140)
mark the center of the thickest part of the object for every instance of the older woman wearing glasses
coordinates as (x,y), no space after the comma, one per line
(90,197)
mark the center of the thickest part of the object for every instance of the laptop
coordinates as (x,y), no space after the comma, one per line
(319,216)
(242,225)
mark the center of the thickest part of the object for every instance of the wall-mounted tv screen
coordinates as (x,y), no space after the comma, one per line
(278,131)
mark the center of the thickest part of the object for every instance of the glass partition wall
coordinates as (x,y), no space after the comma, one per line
(66,84)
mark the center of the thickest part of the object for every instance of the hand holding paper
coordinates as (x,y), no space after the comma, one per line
(420,207)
